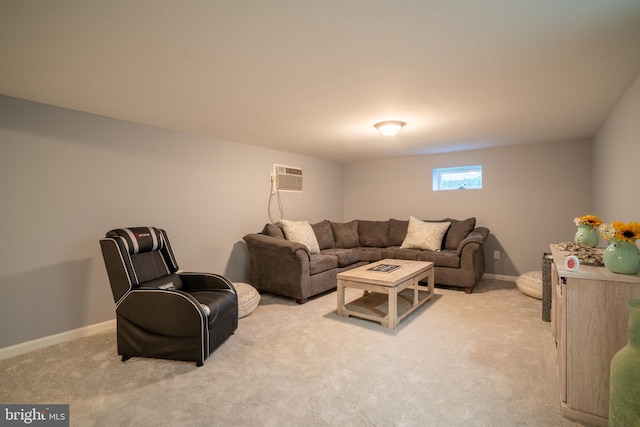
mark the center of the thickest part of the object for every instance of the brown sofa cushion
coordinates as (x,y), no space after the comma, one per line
(345,234)
(324,234)
(397,231)
(370,254)
(322,262)
(346,257)
(444,258)
(373,233)
(273,230)
(397,253)
(458,231)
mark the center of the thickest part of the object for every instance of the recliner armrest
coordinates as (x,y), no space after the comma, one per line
(163,312)
(203,281)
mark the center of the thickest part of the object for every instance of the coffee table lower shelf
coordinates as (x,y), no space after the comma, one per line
(386,303)
(375,307)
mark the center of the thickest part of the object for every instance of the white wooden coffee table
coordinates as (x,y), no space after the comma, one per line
(404,276)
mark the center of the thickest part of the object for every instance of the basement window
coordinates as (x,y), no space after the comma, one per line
(457,178)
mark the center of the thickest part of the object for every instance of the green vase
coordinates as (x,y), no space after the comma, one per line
(622,257)
(624,394)
(587,235)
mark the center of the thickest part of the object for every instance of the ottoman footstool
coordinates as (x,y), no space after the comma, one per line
(248,298)
(530,284)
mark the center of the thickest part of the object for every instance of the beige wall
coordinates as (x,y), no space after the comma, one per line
(68,177)
(616,161)
(530,195)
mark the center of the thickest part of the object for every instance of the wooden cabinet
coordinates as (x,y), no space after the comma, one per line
(589,321)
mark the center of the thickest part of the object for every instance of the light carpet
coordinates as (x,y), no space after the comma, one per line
(484,359)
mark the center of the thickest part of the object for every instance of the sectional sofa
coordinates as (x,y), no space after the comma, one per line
(300,265)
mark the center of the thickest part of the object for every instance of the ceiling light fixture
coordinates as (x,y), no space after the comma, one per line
(389,127)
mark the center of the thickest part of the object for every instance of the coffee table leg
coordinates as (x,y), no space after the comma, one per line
(432,281)
(392,317)
(341,307)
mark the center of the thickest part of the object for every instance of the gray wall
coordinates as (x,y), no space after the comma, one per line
(68,177)
(616,161)
(530,195)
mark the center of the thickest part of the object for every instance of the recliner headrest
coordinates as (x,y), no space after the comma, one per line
(139,239)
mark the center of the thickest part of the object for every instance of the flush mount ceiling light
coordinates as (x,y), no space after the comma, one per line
(389,127)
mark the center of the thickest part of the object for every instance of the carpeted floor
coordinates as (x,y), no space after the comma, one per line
(484,359)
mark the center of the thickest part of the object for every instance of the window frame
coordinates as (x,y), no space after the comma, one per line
(439,173)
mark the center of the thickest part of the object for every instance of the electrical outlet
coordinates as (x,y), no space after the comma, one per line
(496,254)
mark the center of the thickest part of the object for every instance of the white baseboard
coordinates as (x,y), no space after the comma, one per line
(25,347)
(500,277)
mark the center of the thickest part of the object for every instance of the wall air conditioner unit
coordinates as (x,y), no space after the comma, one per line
(287,178)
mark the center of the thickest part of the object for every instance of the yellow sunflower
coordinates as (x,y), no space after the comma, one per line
(590,220)
(626,231)
(621,231)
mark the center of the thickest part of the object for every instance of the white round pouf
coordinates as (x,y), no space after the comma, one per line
(530,283)
(248,298)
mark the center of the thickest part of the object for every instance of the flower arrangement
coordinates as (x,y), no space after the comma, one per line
(590,220)
(621,231)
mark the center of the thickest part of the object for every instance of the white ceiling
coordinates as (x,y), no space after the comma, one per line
(313,76)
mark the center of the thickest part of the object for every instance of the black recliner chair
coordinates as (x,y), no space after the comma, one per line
(162,312)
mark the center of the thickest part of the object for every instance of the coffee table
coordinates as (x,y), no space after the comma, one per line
(403,280)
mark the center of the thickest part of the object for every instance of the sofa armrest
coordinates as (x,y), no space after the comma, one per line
(279,266)
(472,258)
(273,243)
(477,235)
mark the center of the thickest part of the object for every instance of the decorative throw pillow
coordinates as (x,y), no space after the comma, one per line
(397,231)
(346,234)
(324,234)
(273,230)
(424,235)
(373,233)
(301,232)
(458,231)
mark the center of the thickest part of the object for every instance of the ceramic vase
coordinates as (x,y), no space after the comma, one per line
(624,404)
(622,257)
(587,235)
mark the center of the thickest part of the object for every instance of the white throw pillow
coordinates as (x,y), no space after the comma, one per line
(424,235)
(301,232)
